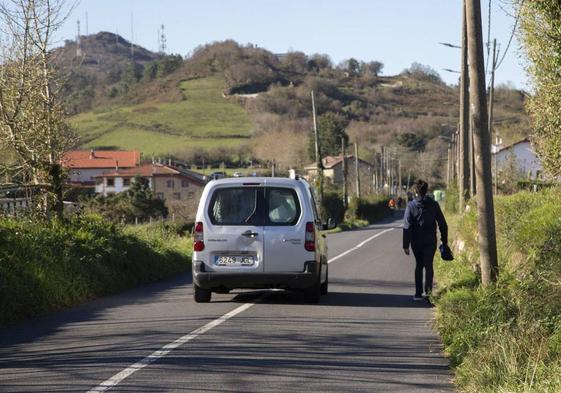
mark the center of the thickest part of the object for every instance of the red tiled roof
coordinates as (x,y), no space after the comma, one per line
(101,159)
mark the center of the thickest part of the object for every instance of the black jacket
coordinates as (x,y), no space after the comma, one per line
(419,226)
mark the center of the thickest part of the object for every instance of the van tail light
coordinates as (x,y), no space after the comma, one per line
(198,238)
(310,239)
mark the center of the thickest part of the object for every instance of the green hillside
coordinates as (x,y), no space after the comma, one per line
(203,119)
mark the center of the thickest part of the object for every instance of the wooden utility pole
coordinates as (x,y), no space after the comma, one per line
(491,98)
(344,154)
(357,173)
(319,165)
(399,176)
(464,142)
(482,145)
(449,165)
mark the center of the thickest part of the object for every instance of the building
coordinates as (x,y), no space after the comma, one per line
(333,172)
(333,169)
(522,151)
(167,183)
(85,165)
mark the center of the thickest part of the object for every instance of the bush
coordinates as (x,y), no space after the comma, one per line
(371,209)
(333,206)
(46,266)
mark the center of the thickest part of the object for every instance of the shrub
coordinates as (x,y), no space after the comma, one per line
(371,209)
(333,206)
(46,266)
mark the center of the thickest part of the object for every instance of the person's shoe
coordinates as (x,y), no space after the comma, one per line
(418,298)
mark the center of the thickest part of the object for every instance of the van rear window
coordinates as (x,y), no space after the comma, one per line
(258,206)
(235,206)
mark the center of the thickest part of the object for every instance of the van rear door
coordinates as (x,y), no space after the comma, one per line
(234,240)
(284,231)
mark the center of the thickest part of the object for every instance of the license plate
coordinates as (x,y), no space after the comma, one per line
(224,260)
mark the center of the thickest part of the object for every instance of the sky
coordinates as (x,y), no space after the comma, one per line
(395,32)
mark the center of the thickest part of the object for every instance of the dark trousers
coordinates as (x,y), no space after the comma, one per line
(424,256)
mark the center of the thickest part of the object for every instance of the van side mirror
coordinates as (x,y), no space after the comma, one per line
(329,225)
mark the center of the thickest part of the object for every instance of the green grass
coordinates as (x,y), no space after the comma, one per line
(204,119)
(46,266)
(506,337)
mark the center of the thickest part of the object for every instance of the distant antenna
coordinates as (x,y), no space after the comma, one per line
(116,35)
(162,40)
(78,43)
(87,27)
(132,36)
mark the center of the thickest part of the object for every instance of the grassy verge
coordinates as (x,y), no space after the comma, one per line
(49,266)
(506,338)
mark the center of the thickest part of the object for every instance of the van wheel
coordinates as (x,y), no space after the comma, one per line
(313,293)
(324,286)
(201,295)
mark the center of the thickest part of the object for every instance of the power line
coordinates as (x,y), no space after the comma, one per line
(511,34)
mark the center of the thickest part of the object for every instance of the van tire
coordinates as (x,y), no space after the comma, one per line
(201,295)
(325,285)
(313,293)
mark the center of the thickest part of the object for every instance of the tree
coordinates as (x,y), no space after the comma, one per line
(32,118)
(353,67)
(142,200)
(423,72)
(541,37)
(331,129)
(372,68)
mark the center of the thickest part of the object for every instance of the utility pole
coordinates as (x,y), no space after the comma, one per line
(319,165)
(464,158)
(482,143)
(357,174)
(491,97)
(344,154)
(399,176)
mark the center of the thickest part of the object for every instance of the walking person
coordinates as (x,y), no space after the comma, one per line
(419,232)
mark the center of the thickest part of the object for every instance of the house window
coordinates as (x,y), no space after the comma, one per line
(191,195)
(110,182)
(184,183)
(126,182)
(170,183)
(160,195)
(176,195)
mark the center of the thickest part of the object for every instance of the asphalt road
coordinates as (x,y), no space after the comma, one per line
(366,335)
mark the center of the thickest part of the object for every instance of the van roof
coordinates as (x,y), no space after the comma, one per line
(257,180)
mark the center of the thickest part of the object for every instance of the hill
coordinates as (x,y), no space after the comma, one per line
(201,120)
(231,102)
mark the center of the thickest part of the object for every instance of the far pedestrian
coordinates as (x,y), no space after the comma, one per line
(419,231)
(391,205)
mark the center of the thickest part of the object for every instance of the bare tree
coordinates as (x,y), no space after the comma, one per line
(32,118)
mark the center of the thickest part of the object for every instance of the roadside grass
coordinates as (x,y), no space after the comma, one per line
(506,338)
(46,266)
(203,119)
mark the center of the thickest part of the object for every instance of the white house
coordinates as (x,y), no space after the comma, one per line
(523,151)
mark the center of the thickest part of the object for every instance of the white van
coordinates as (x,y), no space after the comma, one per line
(258,232)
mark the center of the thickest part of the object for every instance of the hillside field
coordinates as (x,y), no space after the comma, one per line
(203,119)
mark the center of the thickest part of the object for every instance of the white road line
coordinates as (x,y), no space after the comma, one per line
(117,378)
(358,245)
(127,372)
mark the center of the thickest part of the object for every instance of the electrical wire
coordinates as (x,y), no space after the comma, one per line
(511,34)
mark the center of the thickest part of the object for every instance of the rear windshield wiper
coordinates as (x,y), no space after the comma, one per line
(253,212)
